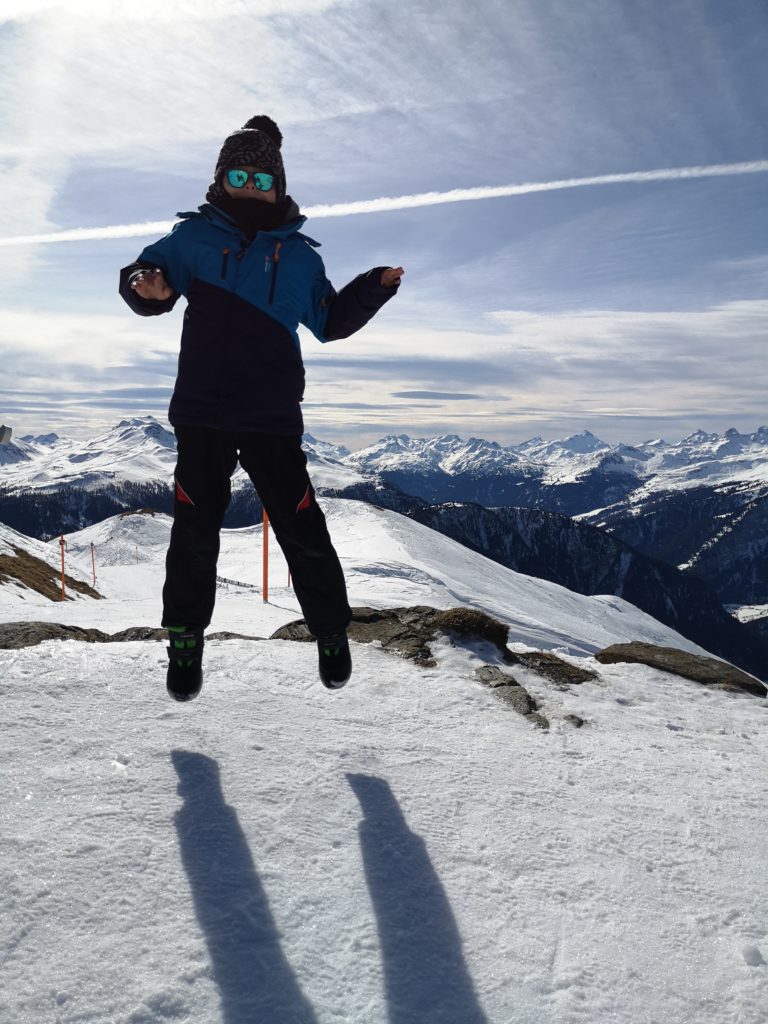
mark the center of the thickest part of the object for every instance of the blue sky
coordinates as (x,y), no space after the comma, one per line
(634,310)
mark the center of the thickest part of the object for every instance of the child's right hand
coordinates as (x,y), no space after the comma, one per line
(150,284)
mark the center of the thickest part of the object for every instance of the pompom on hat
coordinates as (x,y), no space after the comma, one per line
(256,144)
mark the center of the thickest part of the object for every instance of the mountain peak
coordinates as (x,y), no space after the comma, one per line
(138,421)
(138,430)
(583,442)
(44,439)
(699,437)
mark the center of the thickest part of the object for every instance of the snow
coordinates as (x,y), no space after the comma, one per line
(136,450)
(748,612)
(447,454)
(11,539)
(328,474)
(584,443)
(405,850)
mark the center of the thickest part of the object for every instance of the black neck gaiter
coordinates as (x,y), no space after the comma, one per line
(252,215)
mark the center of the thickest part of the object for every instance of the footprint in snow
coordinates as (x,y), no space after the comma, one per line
(752,956)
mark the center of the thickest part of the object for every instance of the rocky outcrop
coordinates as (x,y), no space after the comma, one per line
(699,669)
(15,635)
(408,633)
(560,672)
(403,631)
(507,689)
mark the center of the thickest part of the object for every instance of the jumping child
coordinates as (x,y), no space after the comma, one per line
(250,277)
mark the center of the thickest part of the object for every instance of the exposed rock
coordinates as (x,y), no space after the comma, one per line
(553,668)
(472,624)
(493,677)
(225,635)
(134,633)
(403,631)
(507,688)
(696,667)
(575,720)
(296,630)
(409,631)
(536,718)
(15,635)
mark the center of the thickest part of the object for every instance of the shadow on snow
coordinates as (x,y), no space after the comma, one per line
(425,975)
(254,978)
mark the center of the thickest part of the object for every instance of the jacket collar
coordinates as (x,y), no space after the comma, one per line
(291,226)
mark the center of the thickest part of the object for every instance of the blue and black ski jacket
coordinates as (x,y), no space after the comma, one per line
(240,365)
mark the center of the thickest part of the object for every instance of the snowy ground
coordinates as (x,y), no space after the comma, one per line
(406,850)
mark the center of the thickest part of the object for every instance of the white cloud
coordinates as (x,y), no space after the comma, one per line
(688,368)
(82,84)
(36,339)
(120,11)
(625,374)
(705,334)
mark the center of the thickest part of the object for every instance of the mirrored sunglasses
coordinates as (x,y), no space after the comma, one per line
(238,178)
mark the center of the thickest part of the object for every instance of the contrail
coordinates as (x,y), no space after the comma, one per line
(387,203)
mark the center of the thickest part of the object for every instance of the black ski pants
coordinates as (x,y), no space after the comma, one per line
(277,466)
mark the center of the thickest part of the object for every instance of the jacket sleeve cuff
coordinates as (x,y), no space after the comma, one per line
(144,307)
(355,304)
(371,282)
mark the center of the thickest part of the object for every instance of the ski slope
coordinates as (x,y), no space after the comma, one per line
(388,560)
(405,850)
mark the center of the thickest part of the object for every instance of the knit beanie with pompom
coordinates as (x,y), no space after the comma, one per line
(256,144)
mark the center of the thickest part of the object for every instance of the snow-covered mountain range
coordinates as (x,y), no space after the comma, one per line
(406,849)
(446,468)
(655,465)
(138,451)
(142,450)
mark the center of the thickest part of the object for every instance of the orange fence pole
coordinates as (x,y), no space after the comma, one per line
(265,562)
(62,545)
(93,563)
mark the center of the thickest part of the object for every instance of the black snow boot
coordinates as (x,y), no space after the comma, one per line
(335,660)
(185,664)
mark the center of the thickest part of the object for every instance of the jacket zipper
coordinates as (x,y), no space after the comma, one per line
(224,262)
(275,261)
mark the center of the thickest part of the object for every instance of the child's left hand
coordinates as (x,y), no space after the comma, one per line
(390,277)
